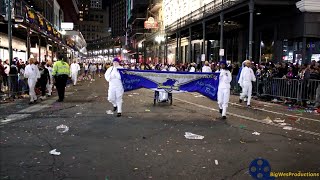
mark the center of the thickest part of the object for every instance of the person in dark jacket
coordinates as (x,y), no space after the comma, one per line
(44,78)
(13,79)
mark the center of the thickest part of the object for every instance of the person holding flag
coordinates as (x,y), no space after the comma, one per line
(224,88)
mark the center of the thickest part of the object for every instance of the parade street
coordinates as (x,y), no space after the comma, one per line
(148,142)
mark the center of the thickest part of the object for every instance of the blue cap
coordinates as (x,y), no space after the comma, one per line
(116,60)
(223,62)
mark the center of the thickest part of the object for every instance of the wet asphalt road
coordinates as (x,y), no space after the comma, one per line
(148,141)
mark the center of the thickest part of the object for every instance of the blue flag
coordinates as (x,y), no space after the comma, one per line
(174,82)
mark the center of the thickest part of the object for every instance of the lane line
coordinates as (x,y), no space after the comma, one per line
(250,119)
(269,111)
(13,117)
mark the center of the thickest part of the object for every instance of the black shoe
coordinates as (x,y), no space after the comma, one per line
(240,100)
(59,100)
(119,114)
(31,102)
(224,117)
(115,108)
(220,111)
(249,106)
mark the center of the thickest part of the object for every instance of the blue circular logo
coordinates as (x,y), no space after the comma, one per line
(260,169)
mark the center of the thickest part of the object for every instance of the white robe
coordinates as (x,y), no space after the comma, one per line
(245,81)
(74,69)
(206,69)
(115,91)
(32,73)
(224,90)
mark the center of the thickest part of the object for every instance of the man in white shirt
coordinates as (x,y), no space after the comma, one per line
(245,81)
(115,91)
(74,69)
(32,73)
(173,68)
(192,68)
(50,83)
(206,68)
(224,89)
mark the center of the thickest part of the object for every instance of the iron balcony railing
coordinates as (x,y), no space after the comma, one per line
(201,13)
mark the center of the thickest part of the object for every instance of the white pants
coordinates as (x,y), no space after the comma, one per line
(223,99)
(115,95)
(32,93)
(246,91)
(74,77)
(49,87)
(163,96)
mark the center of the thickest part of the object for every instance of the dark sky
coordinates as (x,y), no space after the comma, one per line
(106,3)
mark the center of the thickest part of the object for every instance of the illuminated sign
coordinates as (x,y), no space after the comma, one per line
(151,24)
(176,9)
(67,26)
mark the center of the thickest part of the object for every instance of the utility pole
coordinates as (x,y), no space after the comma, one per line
(10,30)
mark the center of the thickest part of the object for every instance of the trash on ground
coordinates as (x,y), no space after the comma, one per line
(242,142)
(242,126)
(130,95)
(256,133)
(268,120)
(190,135)
(135,169)
(283,124)
(147,110)
(135,93)
(278,120)
(287,128)
(62,128)
(179,151)
(54,152)
(79,113)
(216,162)
(109,112)
(130,117)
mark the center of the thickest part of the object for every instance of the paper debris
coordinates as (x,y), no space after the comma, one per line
(109,112)
(287,128)
(62,128)
(278,120)
(190,135)
(79,113)
(135,93)
(130,95)
(179,151)
(242,126)
(216,162)
(130,117)
(283,124)
(256,133)
(54,152)
(268,120)
(147,110)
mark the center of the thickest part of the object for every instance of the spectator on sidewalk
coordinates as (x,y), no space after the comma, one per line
(6,75)
(206,68)
(13,79)
(49,85)
(2,74)
(44,79)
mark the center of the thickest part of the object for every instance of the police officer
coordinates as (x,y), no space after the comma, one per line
(61,72)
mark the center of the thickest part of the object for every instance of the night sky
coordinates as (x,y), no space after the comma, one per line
(105,3)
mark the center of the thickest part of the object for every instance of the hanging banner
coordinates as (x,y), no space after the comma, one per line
(174,82)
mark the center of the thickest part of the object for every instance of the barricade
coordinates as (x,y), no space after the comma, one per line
(294,89)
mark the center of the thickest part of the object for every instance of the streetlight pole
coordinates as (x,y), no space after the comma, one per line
(10,30)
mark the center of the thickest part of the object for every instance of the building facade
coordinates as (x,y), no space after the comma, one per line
(235,30)
(118,18)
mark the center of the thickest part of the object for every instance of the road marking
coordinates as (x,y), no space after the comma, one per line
(310,119)
(13,117)
(249,118)
(22,114)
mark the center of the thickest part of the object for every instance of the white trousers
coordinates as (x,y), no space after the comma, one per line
(246,91)
(49,87)
(223,99)
(74,77)
(32,93)
(163,96)
(115,95)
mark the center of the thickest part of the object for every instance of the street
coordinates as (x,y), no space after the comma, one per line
(148,141)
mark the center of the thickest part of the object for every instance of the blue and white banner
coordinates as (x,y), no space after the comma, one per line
(174,82)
